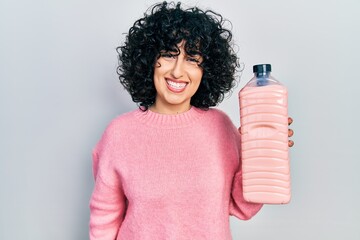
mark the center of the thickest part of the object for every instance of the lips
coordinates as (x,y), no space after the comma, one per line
(176,86)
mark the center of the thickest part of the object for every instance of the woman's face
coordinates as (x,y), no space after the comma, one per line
(176,79)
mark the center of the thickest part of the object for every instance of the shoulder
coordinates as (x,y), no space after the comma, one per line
(122,121)
(118,127)
(221,121)
(219,116)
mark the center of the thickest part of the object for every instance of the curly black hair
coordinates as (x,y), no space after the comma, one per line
(162,29)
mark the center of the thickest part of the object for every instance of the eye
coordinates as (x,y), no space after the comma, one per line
(194,59)
(167,55)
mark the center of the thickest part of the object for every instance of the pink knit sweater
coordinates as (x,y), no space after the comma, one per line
(167,177)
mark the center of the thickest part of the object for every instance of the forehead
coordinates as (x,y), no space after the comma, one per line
(184,46)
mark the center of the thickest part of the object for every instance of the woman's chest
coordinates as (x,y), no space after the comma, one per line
(179,169)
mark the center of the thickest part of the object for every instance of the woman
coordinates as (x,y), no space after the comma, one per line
(171,169)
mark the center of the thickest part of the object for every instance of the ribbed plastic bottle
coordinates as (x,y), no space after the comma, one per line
(264,138)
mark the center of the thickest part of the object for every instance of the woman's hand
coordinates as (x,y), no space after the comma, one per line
(290,132)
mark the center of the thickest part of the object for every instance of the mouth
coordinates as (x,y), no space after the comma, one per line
(175,86)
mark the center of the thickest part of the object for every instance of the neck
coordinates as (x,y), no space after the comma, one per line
(169,109)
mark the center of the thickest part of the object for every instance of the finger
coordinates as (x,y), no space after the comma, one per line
(290,120)
(291,143)
(290,132)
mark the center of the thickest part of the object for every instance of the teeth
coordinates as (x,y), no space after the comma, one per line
(176,84)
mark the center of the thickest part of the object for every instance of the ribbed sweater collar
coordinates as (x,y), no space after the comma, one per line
(158,120)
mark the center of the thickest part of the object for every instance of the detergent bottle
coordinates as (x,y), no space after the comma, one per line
(264,138)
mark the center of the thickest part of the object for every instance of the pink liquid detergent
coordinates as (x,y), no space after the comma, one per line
(264,139)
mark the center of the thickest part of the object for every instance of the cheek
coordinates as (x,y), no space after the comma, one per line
(156,72)
(159,70)
(197,75)
(196,80)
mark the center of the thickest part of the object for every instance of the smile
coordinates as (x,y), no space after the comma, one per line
(176,87)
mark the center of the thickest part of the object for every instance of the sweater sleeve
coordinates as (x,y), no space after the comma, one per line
(238,206)
(108,202)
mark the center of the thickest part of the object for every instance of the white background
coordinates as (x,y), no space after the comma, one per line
(59,90)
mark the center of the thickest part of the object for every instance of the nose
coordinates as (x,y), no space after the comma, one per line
(178,68)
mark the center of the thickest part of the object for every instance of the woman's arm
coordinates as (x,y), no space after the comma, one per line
(108,201)
(238,206)
(107,210)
